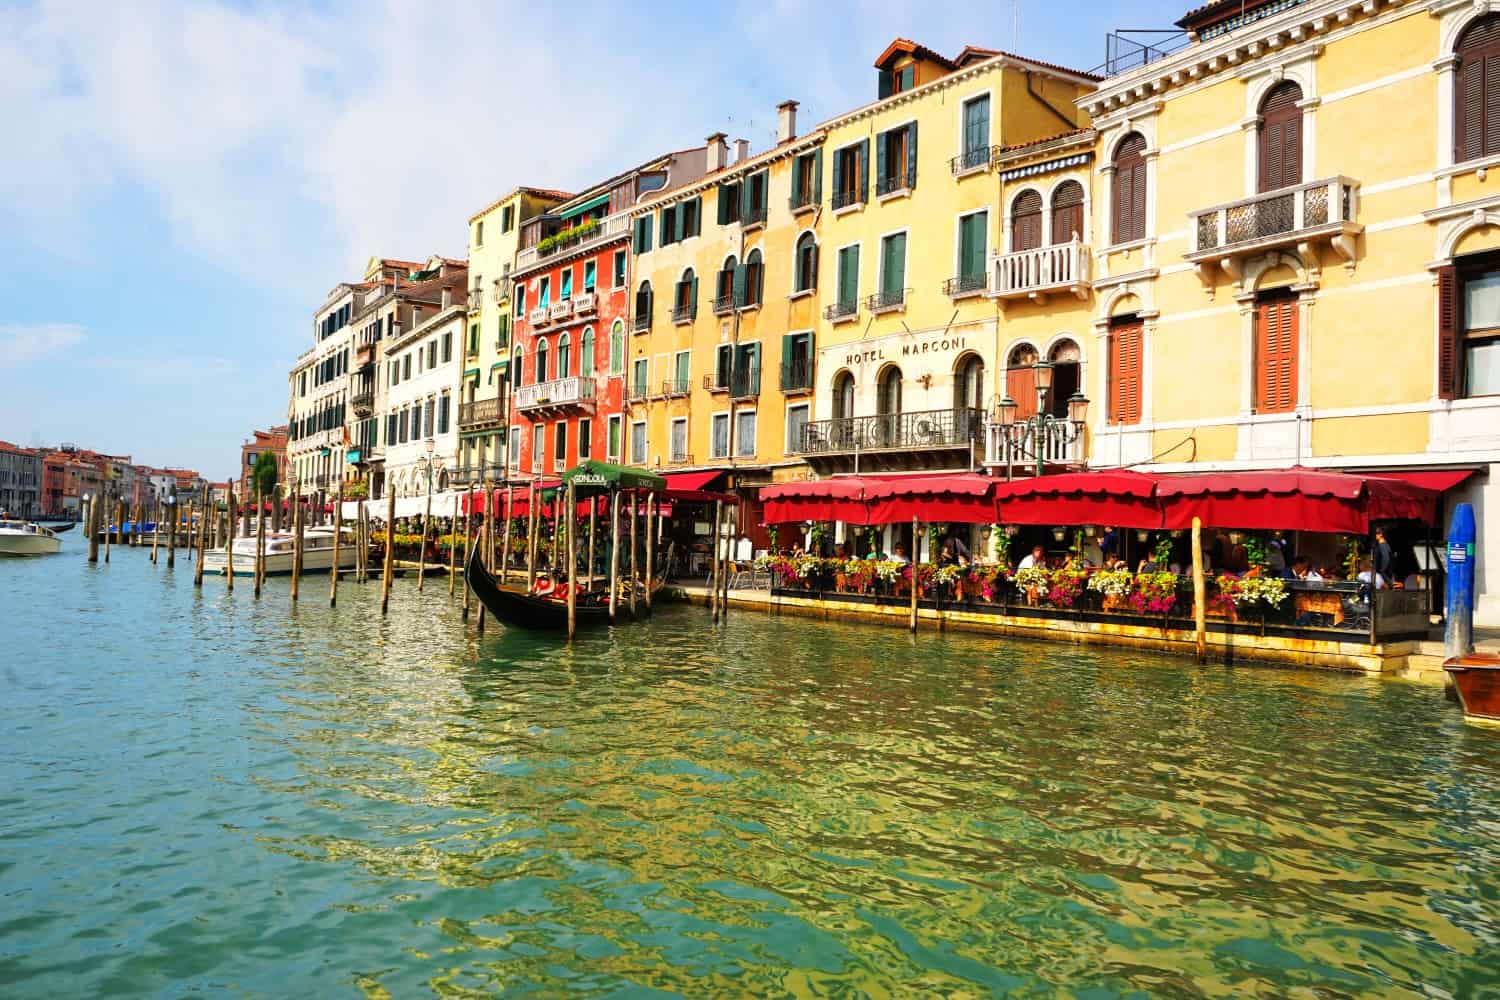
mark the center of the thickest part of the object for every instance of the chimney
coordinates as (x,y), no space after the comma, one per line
(786,121)
(447,296)
(741,150)
(718,152)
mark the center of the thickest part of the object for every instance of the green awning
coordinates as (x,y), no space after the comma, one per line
(598,477)
(578,210)
(353,456)
(471,373)
(498,364)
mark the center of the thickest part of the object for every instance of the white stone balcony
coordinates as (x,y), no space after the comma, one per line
(1063,267)
(1062,444)
(585,304)
(540,316)
(611,228)
(558,393)
(1324,210)
(560,310)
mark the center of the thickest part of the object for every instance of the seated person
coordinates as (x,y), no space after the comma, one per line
(544,587)
(1147,565)
(946,556)
(1036,560)
(1367,574)
(1302,570)
(900,555)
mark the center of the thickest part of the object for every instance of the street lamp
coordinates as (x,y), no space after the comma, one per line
(1042,429)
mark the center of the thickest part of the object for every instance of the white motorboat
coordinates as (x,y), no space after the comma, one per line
(317,553)
(22,538)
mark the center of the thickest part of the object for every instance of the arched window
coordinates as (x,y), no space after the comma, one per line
(1128,192)
(516,364)
(888,399)
(806,277)
(586,354)
(1066,376)
(1026,221)
(843,395)
(541,360)
(1476,91)
(564,356)
(617,348)
(724,285)
(643,306)
(1020,379)
(754,278)
(1067,213)
(968,383)
(1279,135)
(685,297)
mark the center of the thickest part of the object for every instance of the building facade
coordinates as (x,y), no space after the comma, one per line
(273,442)
(319,396)
(20,481)
(421,363)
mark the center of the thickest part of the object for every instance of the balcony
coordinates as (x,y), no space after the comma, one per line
(556,394)
(539,316)
(364,357)
(560,311)
(362,401)
(802,201)
(641,323)
(679,457)
(972,160)
(682,313)
(1322,210)
(476,299)
(754,216)
(964,285)
(586,304)
(839,312)
(797,376)
(723,304)
(1062,444)
(637,392)
(744,383)
(480,414)
(1033,273)
(892,300)
(846,199)
(924,430)
(582,238)
(891,185)
(675,387)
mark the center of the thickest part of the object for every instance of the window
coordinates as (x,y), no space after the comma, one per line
(541,360)
(724,285)
(430,411)
(896,159)
(479,233)
(685,297)
(617,348)
(585,438)
(1020,380)
(406,366)
(560,446)
(641,238)
(432,353)
(689,218)
(1124,371)
(390,428)
(851,175)
(544,292)
(895,81)
(565,291)
(619,272)
(805,278)
(538,447)
(442,414)
(669,220)
(638,443)
(848,291)
(796,427)
(723,362)
(1275,352)
(589,272)
(1026,221)
(729,203)
(888,392)
(973,238)
(893,267)
(1128,190)
(586,354)
(513,448)
(718,445)
(680,368)
(564,356)
(755,280)
(1476,91)
(1067,213)
(796,361)
(1279,138)
(473,347)
(507,218)
(679,440)
(976,137)
(643,306)
(754,209)
(744,434)
(641,379)
(807,180)
(1469,328)
(402,427)
(612,445)
(968,383)
(516,364)
(520,301)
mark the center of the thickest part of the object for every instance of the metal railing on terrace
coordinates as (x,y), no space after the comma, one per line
(922,430)
(612,227)
(796,376)
(481,412)
(1275,217)
(570,391)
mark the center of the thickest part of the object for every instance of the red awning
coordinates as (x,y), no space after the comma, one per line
(949,496)
(1117,497)
(1440,480)
(1291,499)
(692,480)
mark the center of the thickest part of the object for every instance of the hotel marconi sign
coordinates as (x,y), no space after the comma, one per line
(945,346)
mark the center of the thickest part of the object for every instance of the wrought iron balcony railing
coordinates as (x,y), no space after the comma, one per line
(923,430)
(965,284)
(846,199)
(676,387)
(754,216)
(796,376)
(723,304)
(571,391)
(891,183)
(637,392)
(679,457)
(476,299)
(886,301)
(480,413)
(682,312)
(1023,273)
(717,382)
(362,399)
(801,201)
(1325,208)
(641,323)
(971,160)
(744,383)
(838,311)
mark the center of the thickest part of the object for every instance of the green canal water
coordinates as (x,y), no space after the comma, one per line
(206,794)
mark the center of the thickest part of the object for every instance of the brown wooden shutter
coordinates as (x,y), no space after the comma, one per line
(1026,222)
(1020,385)
(1276,354)
(1128,193)
(1449,358)
(1125,372)
(1067,212)
(1280,138)
(1476,96)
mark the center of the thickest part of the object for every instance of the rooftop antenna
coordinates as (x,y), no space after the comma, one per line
(1015,25)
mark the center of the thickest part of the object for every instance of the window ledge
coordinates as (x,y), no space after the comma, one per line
(748,307)
(970,294)
(804,208)
(802,294)
(853,206)
(1149,241)
(846,318)
(1468,166)
(978,168)
(893,195)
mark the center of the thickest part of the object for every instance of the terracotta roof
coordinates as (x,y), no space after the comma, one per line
(973,53)
(1047,139)
(1050,65)
(905,46)
(523,189)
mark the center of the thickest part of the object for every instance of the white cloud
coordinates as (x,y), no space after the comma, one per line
(22,344)
(170,370)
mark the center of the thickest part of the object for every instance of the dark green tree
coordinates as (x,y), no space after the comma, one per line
(263,475)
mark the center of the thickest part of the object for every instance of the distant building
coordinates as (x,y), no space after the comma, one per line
(261,442)
(20,481)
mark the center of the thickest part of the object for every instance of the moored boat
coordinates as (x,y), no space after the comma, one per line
(22,538)
(317,553)
(547,613)
(1476,676)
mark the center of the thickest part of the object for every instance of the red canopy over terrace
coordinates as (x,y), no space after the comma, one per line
(1292,499)
(692,487)
(947,496)
(1117,497)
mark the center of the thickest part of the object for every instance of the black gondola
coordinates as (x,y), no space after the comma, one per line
(542,613)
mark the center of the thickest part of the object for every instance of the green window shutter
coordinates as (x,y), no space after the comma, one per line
(864,170)
(679,225)
(721,366)
(797,191)
(723,205)
(683,360)
(663,239)
(848,289)
(745,186)
(893,270)
(786,351)
(817,191)
(693,298)
(838,173)
(881,164)
(739,284)
(911,155)
(886,83)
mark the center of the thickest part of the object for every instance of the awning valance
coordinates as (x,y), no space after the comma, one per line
(1294,499)
(1121,497)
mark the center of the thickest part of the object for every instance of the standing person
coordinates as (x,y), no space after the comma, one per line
(1382,556)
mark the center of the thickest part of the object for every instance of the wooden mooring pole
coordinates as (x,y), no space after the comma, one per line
(173,514)
(505,539)
(635,503)
(531,523)
(453,550)
(468,547)
(1200,612)
(260,543)
(155,532)
(92,526)
(614,552)
(916,533)
(231,516)
(202,545)
(390,551)
(650,548)
(713,562)
(572,561)
(338,530)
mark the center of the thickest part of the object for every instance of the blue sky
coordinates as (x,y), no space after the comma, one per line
(185,181)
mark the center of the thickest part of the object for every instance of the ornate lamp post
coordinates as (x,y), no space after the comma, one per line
(1040,430)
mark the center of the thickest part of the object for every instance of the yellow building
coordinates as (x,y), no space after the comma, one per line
(724,311)
(494,238)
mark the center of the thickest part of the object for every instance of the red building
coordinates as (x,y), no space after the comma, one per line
(273,441)
(571,321)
